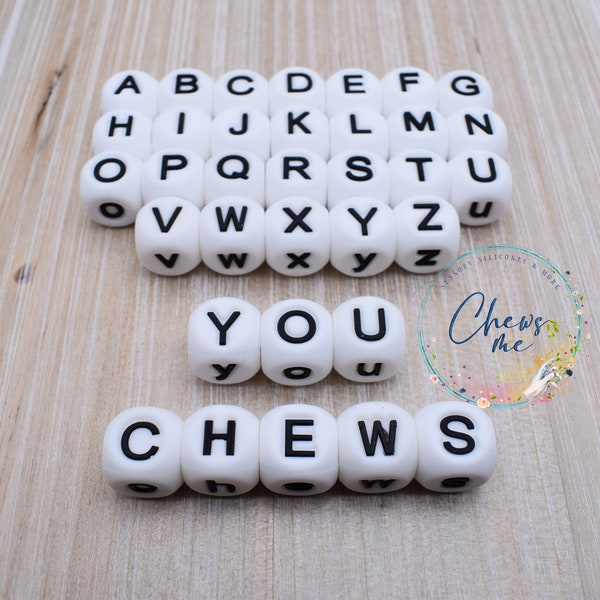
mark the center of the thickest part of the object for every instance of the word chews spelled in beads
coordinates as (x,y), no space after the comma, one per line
(297,171)
(299,449)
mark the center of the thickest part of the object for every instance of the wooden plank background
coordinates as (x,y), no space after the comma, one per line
(86,332)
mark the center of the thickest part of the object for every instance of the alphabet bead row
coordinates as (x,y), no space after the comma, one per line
(347,88)
(296,341)
(299,449)
(362,236)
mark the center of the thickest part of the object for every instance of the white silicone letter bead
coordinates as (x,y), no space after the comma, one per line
(407,86)
(351,88)
(235,173)
(297,236)
(167,236)
(219,450)
(300,126)
(377,447)
(463,89)
(232,235)
(418,172)
(481,187)
(241,129)
(185,87)
(369,339)
(359,129)
(241,89)
(477,129)
(141,452)
(123,130)
(224,340)
(457,446)
(296,342)
(173,172)
(110,188)
(419,127)
(296,172)
(298,450)
(357,173)
(296,85)
(132,90)
(182,127)
(428,233)
(363,236)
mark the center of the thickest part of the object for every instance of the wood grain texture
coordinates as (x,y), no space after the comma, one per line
(85,332)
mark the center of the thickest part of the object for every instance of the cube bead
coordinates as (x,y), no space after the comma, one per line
(223,341)
(167,236)
(219,450)
(457,446)
(110,188)
(369,339)
(378,447)
(428,234)
(131,90)
(298,238)
(232,235)
(363,236)
(298,450)
(296,342)
(141,452)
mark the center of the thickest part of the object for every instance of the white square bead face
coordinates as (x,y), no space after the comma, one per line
(219,450)
(416,173)
(363,237)
(360,129)
(141,452)
(123,130)
(296,85)
(241,129)
(296,342)
(224,340)
(110,188)
(297,236)
(377,447)
(131,90)
(355,173)
(300,126)
(241,88)
(298,450)
(235,173)
(296,172)
(174,172)
(481,187)
(428,234)
(186,88)
(419,127)
(182,127)
(350,88)
(407,86)
(369,339)
(463,89)
(167,236)
(457,446)
(477,129)
(232,235)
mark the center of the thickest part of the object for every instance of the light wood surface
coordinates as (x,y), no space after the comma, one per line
(86,332)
